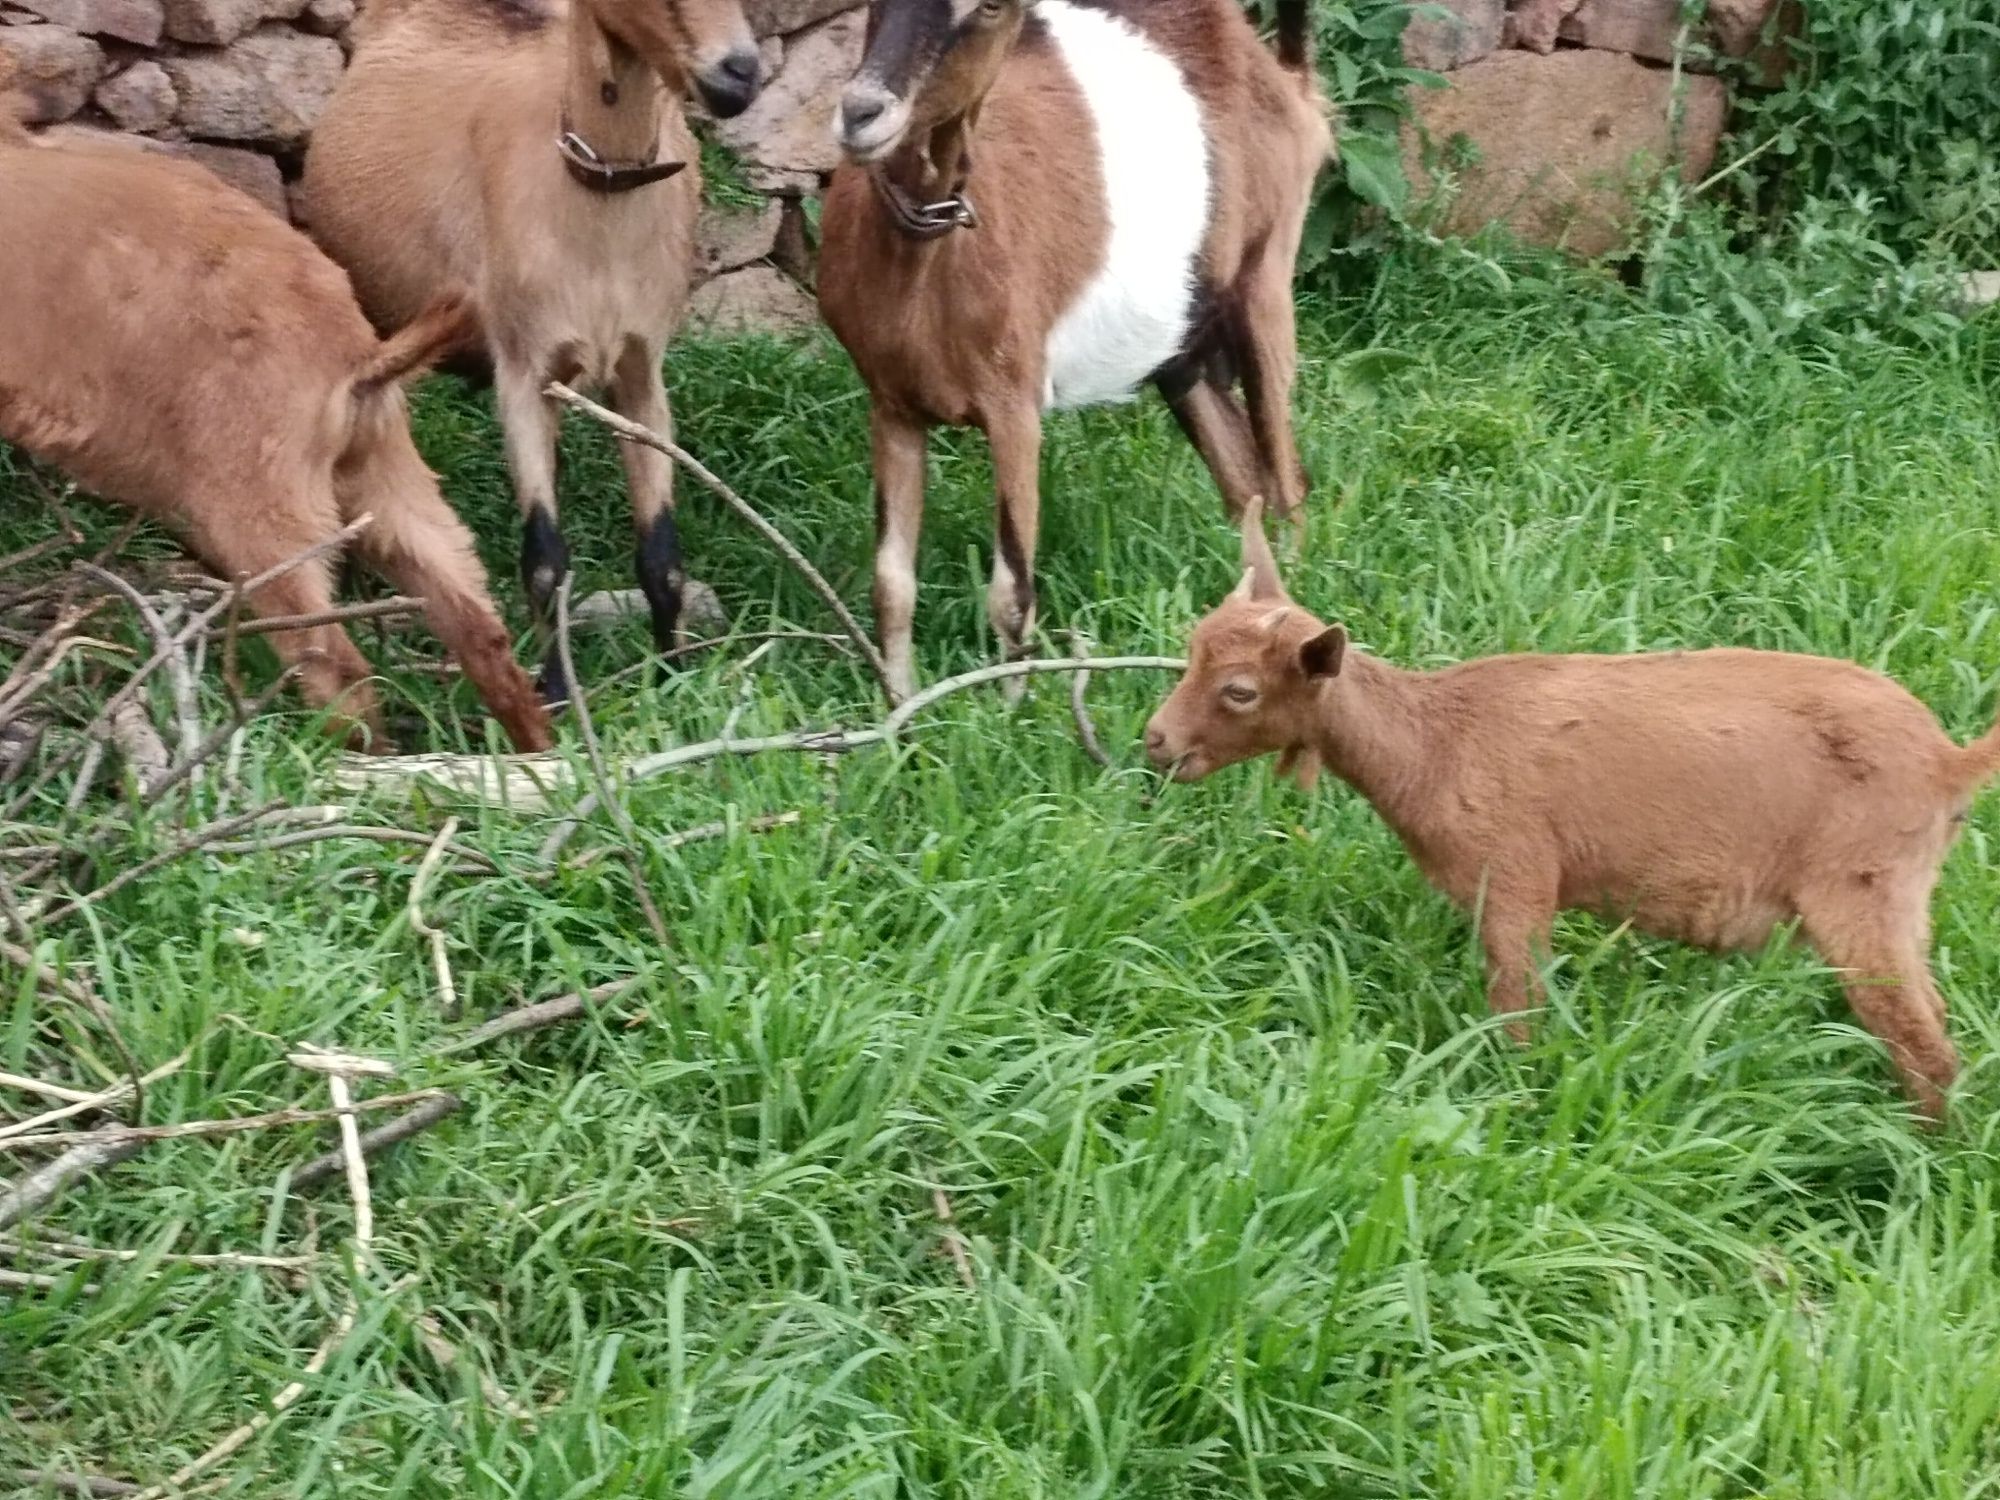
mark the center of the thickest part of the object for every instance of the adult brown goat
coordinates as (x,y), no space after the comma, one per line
(1706,796)
(537,154)
(176,347)
(1045,204)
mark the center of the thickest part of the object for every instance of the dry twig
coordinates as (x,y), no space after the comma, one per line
(125,1134)
(1086,731)
(70,1481)
(57,1248)
(440,960)
(380,1139)
(838,741)
(633,432)
(46,1183)
(954,1242)
(535,1017)
(630,834)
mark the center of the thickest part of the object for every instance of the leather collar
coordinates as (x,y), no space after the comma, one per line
(600,175)
(924,221)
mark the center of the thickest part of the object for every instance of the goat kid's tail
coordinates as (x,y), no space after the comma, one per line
(1295,48)
(448,324)
(1980,759)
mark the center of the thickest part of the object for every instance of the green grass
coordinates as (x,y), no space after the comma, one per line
(1259,1202)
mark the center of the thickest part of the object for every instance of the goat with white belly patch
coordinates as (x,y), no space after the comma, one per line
(1048,203)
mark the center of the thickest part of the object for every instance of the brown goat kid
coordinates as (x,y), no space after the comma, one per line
(1046,205)
(1706,796)
(174,346)
(537,154)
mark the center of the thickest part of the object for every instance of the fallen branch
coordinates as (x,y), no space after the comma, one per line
(633,432)
(47,1183)
(125,1134)
(1079,711)
(194,843)
(380,1139)
(131,729)
(51,1248)
(46,1090)
(70,1481)
(840,741)
(630,835)
(535,1017)
(173,649)
(42,1281)
(414,907)
(441,1349)
(344,1106)
(125,1088)
(346,614)
(365,831)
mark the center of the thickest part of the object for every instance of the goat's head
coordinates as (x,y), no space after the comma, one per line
(1256,667)
(926,63)
(701,46)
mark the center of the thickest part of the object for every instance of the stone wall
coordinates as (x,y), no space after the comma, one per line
(238,84)
(1554,109)
(1558,112)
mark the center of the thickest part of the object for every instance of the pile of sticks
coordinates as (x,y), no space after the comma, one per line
(104,747)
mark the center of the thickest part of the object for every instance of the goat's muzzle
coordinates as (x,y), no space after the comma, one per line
(727,87)
(872,120)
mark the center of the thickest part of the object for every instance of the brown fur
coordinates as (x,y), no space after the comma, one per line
(954,331)
(1705,796)
(435,164)
(175,347)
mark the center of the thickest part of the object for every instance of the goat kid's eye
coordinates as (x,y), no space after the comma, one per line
(1239,695)
(992,10)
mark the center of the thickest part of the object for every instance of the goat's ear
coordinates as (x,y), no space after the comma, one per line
(1246,587)
(1323,654)
(1260,567)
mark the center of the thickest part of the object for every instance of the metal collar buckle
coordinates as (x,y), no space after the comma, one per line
(593,171)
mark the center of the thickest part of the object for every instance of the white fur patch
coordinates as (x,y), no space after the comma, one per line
(1133,315)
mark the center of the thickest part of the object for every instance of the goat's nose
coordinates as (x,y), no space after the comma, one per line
(860,108)
(1156,744)
(742,66)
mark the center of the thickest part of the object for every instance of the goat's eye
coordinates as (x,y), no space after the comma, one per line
(1240,694)
(991,10)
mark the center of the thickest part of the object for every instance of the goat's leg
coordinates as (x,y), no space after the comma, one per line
(333,675)
(530,423)
(1514,923)
(1015,435)
(1220,431)
(1886,973)
(898,443)
(1268,349)
(638,393)
(423,548)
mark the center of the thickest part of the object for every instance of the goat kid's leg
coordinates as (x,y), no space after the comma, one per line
(898,444)
(1015,436)
(423,548)
(1220,431)
(1269,353)
(638,393)
(1886,973)
(530,423)
(1514,928)
(333,675)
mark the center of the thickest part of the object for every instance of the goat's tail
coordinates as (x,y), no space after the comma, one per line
(447,325)
(1295,47)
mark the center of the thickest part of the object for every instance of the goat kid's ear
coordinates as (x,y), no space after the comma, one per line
(1260,567)
(1323,655)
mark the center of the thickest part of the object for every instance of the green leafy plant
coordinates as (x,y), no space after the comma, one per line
(1895,107)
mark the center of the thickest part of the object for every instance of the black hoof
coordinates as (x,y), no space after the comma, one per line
(553,686)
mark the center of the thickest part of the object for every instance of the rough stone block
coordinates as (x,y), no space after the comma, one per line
(729,238)
(1470,32)
(1561,145)
(756,299)
(216,23)
(141,98)
(135,21)
(789,129)
(55,69)
(270,86)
